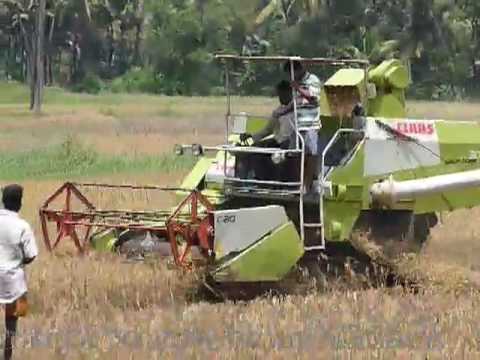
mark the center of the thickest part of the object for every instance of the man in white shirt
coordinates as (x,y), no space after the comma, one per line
(17,249)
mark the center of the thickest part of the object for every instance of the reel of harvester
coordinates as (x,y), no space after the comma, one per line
(177,232)
(232,247)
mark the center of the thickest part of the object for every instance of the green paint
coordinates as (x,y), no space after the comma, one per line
(341,92)
(390,73)
(458,139)
(347,87)
(255,125)
(390,79)
(346,77)
(387,106)
(269,259)
(195,177)
(104,241)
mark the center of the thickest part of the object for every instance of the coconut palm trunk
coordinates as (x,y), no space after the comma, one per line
(39,61)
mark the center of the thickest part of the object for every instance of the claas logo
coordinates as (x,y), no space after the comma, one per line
(415,128)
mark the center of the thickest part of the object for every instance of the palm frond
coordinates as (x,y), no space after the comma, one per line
(267,11)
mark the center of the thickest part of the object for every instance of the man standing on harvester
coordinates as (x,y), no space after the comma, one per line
(306,90)
(307,98)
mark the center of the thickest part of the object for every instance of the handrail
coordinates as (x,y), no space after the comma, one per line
(250,149)
(263,182)
(315,60)
(323,175)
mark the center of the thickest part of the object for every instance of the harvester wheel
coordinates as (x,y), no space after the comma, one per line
(422,225)
(136,244)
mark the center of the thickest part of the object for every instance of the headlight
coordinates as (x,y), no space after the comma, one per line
(277,158)
(178,149)
(197,150)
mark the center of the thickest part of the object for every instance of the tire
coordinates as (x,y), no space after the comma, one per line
(423,223)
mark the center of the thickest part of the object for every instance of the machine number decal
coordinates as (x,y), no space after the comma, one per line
(227,219)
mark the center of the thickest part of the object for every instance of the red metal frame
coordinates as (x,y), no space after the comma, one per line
(65,218)
(197,232)
(186,224)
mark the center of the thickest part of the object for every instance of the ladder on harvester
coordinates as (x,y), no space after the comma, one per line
(272,190)
(292,191)
(323,185)
(308,226)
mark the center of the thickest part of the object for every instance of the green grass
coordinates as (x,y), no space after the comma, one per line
(72,159)
(14,99)
(14,93)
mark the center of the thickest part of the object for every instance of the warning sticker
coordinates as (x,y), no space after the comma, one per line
(386,153)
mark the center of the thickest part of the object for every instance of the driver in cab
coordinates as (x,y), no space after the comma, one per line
(277,133)
(281,124)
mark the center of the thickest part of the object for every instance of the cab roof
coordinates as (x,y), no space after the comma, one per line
(319,61)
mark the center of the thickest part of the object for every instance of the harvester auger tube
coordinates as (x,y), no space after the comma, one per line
(386,231)
(389,192)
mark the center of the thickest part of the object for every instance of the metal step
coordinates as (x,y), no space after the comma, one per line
(232,180)
(313,226)
(314,248)
(252,149)
(267,194)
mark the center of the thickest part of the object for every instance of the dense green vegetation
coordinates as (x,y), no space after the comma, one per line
(167,46)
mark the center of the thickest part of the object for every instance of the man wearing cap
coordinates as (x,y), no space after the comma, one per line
(17,249)
(307,98)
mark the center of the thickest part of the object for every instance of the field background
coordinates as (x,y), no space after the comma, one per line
(101,307)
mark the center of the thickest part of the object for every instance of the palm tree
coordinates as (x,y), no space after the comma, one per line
(22,23)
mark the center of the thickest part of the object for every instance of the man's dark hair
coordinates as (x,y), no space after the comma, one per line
(12,197)
(283,85)
(284,92)
(297,65)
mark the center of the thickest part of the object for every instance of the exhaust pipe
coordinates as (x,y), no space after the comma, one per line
(389,192)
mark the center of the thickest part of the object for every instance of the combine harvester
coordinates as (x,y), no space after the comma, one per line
(383,177)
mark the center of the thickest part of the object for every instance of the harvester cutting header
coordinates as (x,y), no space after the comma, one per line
(341,170)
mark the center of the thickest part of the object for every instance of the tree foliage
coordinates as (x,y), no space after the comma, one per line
(169,44)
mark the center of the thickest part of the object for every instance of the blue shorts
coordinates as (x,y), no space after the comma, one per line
(314,143)
(310,137)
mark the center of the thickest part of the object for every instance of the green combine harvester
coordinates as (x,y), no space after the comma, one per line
(383,178)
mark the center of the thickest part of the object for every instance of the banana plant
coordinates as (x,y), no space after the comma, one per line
(284,8)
